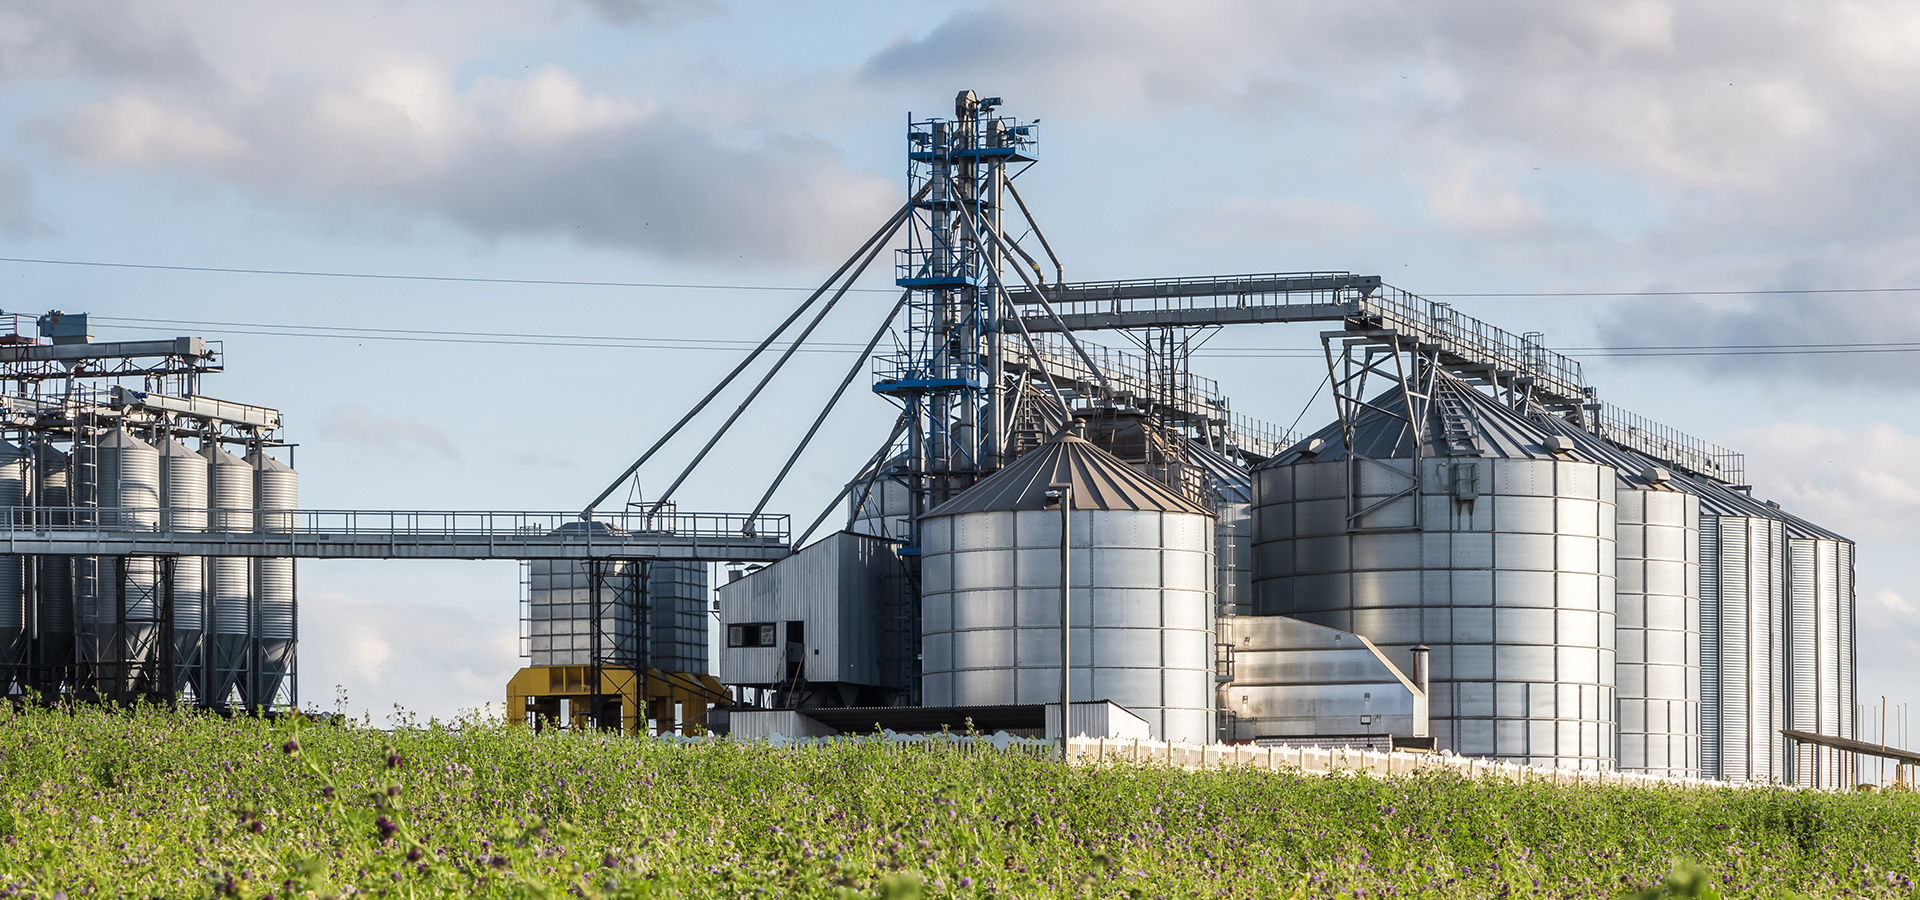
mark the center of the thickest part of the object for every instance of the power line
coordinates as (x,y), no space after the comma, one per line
(423,335)
(1728,293)
(462,279)
(696,286)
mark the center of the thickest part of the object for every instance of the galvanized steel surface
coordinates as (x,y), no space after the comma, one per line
(230,492)
(1509,576)
(1142,608)
(183,498)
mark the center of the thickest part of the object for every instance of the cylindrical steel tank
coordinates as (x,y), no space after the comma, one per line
(15,471)
(229,579)
(678,603)
(885,508)
(53,575)
(561,600)
(183,496)
(1480,541)
(276,492)
(1819,646)
(1142,592)
(1743,573)
(1657,591)
(120,487)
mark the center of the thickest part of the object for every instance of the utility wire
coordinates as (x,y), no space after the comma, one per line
(665,343)
(560,282)
(388,276)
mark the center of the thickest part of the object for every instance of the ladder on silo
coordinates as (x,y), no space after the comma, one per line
(1457,429)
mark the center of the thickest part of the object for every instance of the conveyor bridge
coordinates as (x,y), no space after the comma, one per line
(1374,312)
(403,534)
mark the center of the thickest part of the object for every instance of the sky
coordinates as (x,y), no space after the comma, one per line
(1679,159)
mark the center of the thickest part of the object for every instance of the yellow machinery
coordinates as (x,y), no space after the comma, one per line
(624,698)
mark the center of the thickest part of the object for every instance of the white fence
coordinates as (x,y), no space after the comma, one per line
(1340,760)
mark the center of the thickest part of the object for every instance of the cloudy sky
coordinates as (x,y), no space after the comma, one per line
(1671,155)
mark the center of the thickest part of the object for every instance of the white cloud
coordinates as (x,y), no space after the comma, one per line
(361,428)
(435,660)
(1312,220)
(1857,481)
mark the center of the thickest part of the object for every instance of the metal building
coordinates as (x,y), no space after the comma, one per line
(1488,539)
(1142,598)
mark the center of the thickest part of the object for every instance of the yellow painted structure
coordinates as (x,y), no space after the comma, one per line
(627,697)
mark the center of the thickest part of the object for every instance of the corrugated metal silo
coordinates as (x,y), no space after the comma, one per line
(1657,590)
(1142,592)
(15,471)
(120,485)
(1482,542)
(1743,573)
(1819,645)
(276,492)
(229,579)
(53,575)
(677,598)
(1230,492)
(183,496)
(885,508)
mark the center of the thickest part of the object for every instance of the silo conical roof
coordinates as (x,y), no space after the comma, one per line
(1099,480)
(1477,427)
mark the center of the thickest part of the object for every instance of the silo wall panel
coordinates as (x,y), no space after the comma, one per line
(1514,590)
(1142,612)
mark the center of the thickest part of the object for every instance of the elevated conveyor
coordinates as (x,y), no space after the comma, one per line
(1373,312)
(415,534)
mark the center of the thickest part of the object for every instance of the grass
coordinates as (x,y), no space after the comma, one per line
(146,802)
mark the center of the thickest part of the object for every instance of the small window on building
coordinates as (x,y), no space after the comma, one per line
(750,634)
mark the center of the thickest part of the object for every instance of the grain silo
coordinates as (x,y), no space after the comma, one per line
(1477,533)
(1657,606)
(119,487)
(229,579)
(1141,569)
(1819,646)
(1743,574)
(276,492)
(183,498)
(14,475)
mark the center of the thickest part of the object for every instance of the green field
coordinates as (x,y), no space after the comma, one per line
(153,803)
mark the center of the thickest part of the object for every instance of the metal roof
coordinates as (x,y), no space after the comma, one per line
(1381,431)
(1628,466)
(1230,482)
(1099,480)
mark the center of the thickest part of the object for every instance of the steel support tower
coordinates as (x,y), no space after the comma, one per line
(946,371)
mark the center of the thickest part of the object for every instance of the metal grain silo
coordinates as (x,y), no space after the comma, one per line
(883,507)
(1230,495)
(183,498)
(15,472)
(1142,592)
(1488,539)
(276,493)
(53,575)
(679,608)
(119,487)
(1743,569)
(1819,642)
(1657,605)
(229,579)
